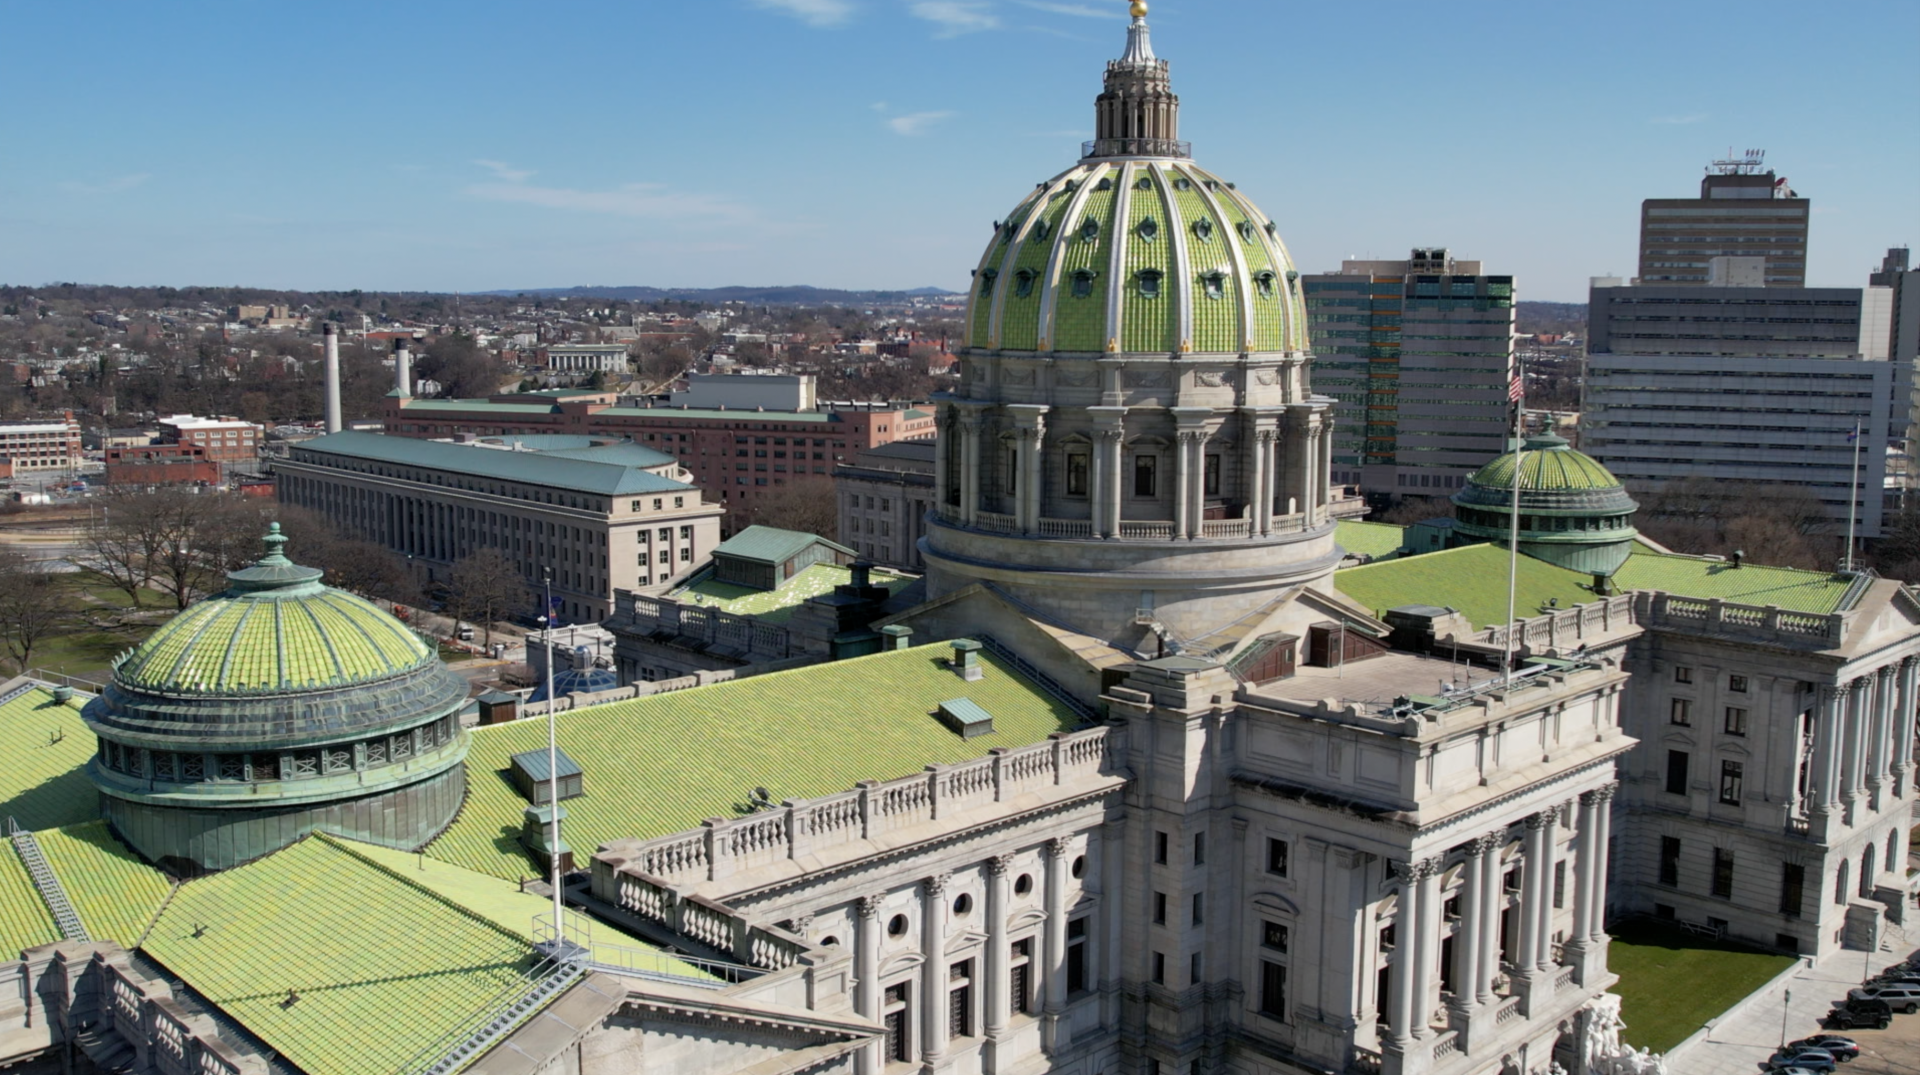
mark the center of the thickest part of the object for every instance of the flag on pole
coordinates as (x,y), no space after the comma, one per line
(1854,435)
(1516,388)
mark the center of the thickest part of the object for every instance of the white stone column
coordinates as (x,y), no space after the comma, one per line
(994,997)
(1526,954)
(1903,720)
(1883,703)
(1603,835)
(1052,1036)
(943,446)
(1402,979)
(933,973)
(1466,936)
(1826,747)
(1583,867)
(1426,949)
(1261,495)
(1492,907)
(1323,457)
(969,467)
(866,978)
(1549,850)
(1853,774)
(1185,525)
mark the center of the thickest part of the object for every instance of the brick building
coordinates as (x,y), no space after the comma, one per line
(46,444)
(161,464)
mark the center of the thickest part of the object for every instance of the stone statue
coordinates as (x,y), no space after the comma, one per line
(1606,1053)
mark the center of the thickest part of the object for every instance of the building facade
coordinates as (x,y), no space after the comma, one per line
(601,516)
(1762,386)
(48,445)
(1743,211)
(161,464)
(587,357)
(884,497)
(227,441)
(1417,355)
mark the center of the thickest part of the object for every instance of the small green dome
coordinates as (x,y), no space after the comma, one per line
(1136,255)
(1549,464)
(276,629)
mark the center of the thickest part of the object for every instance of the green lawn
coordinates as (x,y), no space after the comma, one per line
(90,646)
(1672,981)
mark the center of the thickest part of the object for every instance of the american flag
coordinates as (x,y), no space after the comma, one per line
(1516,388)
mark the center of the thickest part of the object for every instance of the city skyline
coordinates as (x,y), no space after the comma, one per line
(812,141)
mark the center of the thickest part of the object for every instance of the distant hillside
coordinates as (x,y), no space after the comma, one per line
(790,295)
(1560,318)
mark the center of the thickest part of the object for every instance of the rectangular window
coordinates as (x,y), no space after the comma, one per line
(1160,848)
(1736,720)
(1077,956)
(1793,885)
(1159,969)
(1559,885)
(1683,675)
(896,1020)
(1737,684)
(1273,989)
(1277,857)
(1199,849)
(1020,977)
(1159,908)
(1199,908)
(960,999)
(1670,861)
(1676,772)
(1143,475)
(1210,480)
(1077,471)
(1723,873)
(1273,935)
(1730,772)
(1682,712)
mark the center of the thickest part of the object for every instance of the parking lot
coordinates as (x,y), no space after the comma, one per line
(1893,1051)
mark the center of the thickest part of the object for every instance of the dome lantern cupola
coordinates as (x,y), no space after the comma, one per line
(1137,113)
(274,709)
(1573,511)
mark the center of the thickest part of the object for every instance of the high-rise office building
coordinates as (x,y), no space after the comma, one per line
(1762,385)
(1743,211)
(1418,354)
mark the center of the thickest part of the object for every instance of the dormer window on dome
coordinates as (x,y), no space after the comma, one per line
(1149,280)
(1143,184)
(1183,184)
(987,277)
(1215,284)
(1105,183)
(1041,231)
(1265,282)
(1083,283)
(1248,232)
(1149,230)
(1203,230)
(1089,230)
(1023,283)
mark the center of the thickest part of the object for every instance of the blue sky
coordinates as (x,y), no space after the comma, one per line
(872,143)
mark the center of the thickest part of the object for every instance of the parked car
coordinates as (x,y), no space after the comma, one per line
(1901,998)
(1843,1049)
(1873,1013)
(1817,1060)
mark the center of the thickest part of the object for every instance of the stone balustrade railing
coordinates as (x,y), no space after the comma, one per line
(716,926)
(995,522)
(1570,628)
(801,827)
(166,1038)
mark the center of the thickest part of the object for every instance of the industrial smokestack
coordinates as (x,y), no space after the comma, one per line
(331,336)
(402,369)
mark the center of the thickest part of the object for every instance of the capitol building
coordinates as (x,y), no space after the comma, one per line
(1168,769)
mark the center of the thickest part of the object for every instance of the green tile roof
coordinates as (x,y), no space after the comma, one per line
(778,605)
(479,406)
(24,919)
(661,764)
(43,785)
(561,470)
(1377,540)
(743,415)
(260,642)
(772,545)
(1472,580)
(115,893)
(1789,588)
(1547,469)
(384,965)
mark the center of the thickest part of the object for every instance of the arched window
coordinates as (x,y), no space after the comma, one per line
(987,276)
(1265,281)
(1840,883)
(1149,283)
(1089,230)
(1149,230)
(1215,284)
(1203,230)
(1082,283)
(1023,283)
(1248,231)
(1041,231)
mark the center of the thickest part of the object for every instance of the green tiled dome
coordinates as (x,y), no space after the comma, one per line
(289,635)
(1147,255)
(1549,465)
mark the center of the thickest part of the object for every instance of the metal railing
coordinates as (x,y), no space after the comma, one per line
(52,892)
(498,1018)
(1136,147)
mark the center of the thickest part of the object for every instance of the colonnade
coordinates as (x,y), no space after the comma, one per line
(1282,470)
(1863,739)
(1483,902)
(932,991)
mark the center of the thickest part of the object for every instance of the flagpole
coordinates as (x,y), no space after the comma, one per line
(1517,391)
(1853,497)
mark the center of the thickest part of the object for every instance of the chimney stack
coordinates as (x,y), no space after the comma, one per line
(402,369)
(331,336)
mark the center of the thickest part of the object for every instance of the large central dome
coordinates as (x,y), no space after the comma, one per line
(1134,453)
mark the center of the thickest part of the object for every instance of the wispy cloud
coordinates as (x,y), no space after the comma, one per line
(955,17)
(811,12)
(505,172)
(109,186)
(654,201)
(916,122)
(1680,121)
(878,106)
(1077,10)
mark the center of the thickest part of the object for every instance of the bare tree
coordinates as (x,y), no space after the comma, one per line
(804,504)
(31,608)
(485,586)
(121,544)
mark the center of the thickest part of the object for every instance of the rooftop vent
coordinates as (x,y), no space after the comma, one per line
(63,694)
(896,636)
(529,774)
(966,659)
(966,718)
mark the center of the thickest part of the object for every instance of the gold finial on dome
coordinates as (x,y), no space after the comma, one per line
(1139,9)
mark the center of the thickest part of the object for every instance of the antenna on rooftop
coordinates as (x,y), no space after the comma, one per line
(1752,162)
